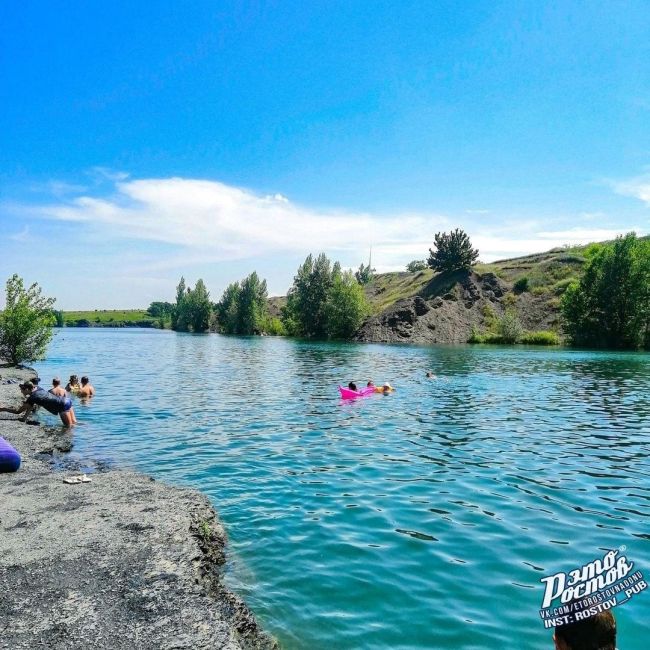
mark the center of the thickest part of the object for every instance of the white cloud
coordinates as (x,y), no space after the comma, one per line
(204,222)
(225,222)
(638,187)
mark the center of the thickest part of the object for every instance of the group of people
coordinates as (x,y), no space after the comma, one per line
(385,388)
(57,400)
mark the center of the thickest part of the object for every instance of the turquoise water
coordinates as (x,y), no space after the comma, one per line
(424,519)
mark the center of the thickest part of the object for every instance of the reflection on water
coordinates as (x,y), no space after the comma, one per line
(425,518)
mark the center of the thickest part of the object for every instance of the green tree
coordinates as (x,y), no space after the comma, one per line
(304,314)
(180,321)
(26,322)
(200,307)
(416,265)
(227,309)
(610,306)
(364,274)
(192,309)
(324,302)
(160,309)
(252,305)
(346,307)
(59,318)
(453,252)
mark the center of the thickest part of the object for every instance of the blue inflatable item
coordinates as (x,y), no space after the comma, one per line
(9,457)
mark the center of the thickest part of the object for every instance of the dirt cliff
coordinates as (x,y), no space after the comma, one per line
(447,308)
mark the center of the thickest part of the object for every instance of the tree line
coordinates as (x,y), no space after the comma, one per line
(324,302)
(609,307)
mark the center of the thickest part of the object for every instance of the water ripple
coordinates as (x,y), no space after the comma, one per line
(423,519)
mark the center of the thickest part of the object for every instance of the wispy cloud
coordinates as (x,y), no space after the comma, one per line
(21,236)
(637,187)
(203,222)
(225,222)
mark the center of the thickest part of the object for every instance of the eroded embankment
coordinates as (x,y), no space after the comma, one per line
(121,562)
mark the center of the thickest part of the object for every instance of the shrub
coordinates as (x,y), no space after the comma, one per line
(521,285)
(610,305)
(453,252)
(487,338)
(416,265)
(560,287)
(26,322)
(543,337)
(509,328)
(489,316)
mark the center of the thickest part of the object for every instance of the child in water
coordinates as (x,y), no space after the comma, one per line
(73,384)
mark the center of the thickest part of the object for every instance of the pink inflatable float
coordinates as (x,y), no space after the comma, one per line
(346,393)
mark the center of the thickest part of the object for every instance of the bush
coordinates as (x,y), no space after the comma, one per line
(453,252)
(26,322)
(272,326)
(521,285)
(487,338)
(610,306)
(543,337)
(509,328)
(416,265)
(560,287)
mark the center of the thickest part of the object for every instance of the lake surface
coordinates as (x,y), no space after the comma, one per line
(423,519)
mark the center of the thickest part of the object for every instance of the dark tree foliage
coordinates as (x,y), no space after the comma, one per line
(364,274)
(453,252)
(179,312)
(59,318)
(192,309)
(160,309)
(324,302)
(243,307)
(610,306)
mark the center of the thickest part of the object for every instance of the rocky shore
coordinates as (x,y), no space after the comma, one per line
(121,562)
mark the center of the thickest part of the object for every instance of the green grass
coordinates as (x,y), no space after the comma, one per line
(542,337)
(387,288)
(109,317)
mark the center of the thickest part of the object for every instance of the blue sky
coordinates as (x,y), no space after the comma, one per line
(145,141)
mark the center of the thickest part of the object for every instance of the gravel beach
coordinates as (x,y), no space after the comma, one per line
(123,561)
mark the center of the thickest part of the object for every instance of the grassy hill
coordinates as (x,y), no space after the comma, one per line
(108,318)
(548,274)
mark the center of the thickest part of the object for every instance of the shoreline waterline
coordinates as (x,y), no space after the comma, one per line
(119,562)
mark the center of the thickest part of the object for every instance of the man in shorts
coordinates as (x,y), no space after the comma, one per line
(34,396)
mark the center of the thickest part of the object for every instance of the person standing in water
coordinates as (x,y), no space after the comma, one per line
(57,389)
(87,389)
(73,384)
